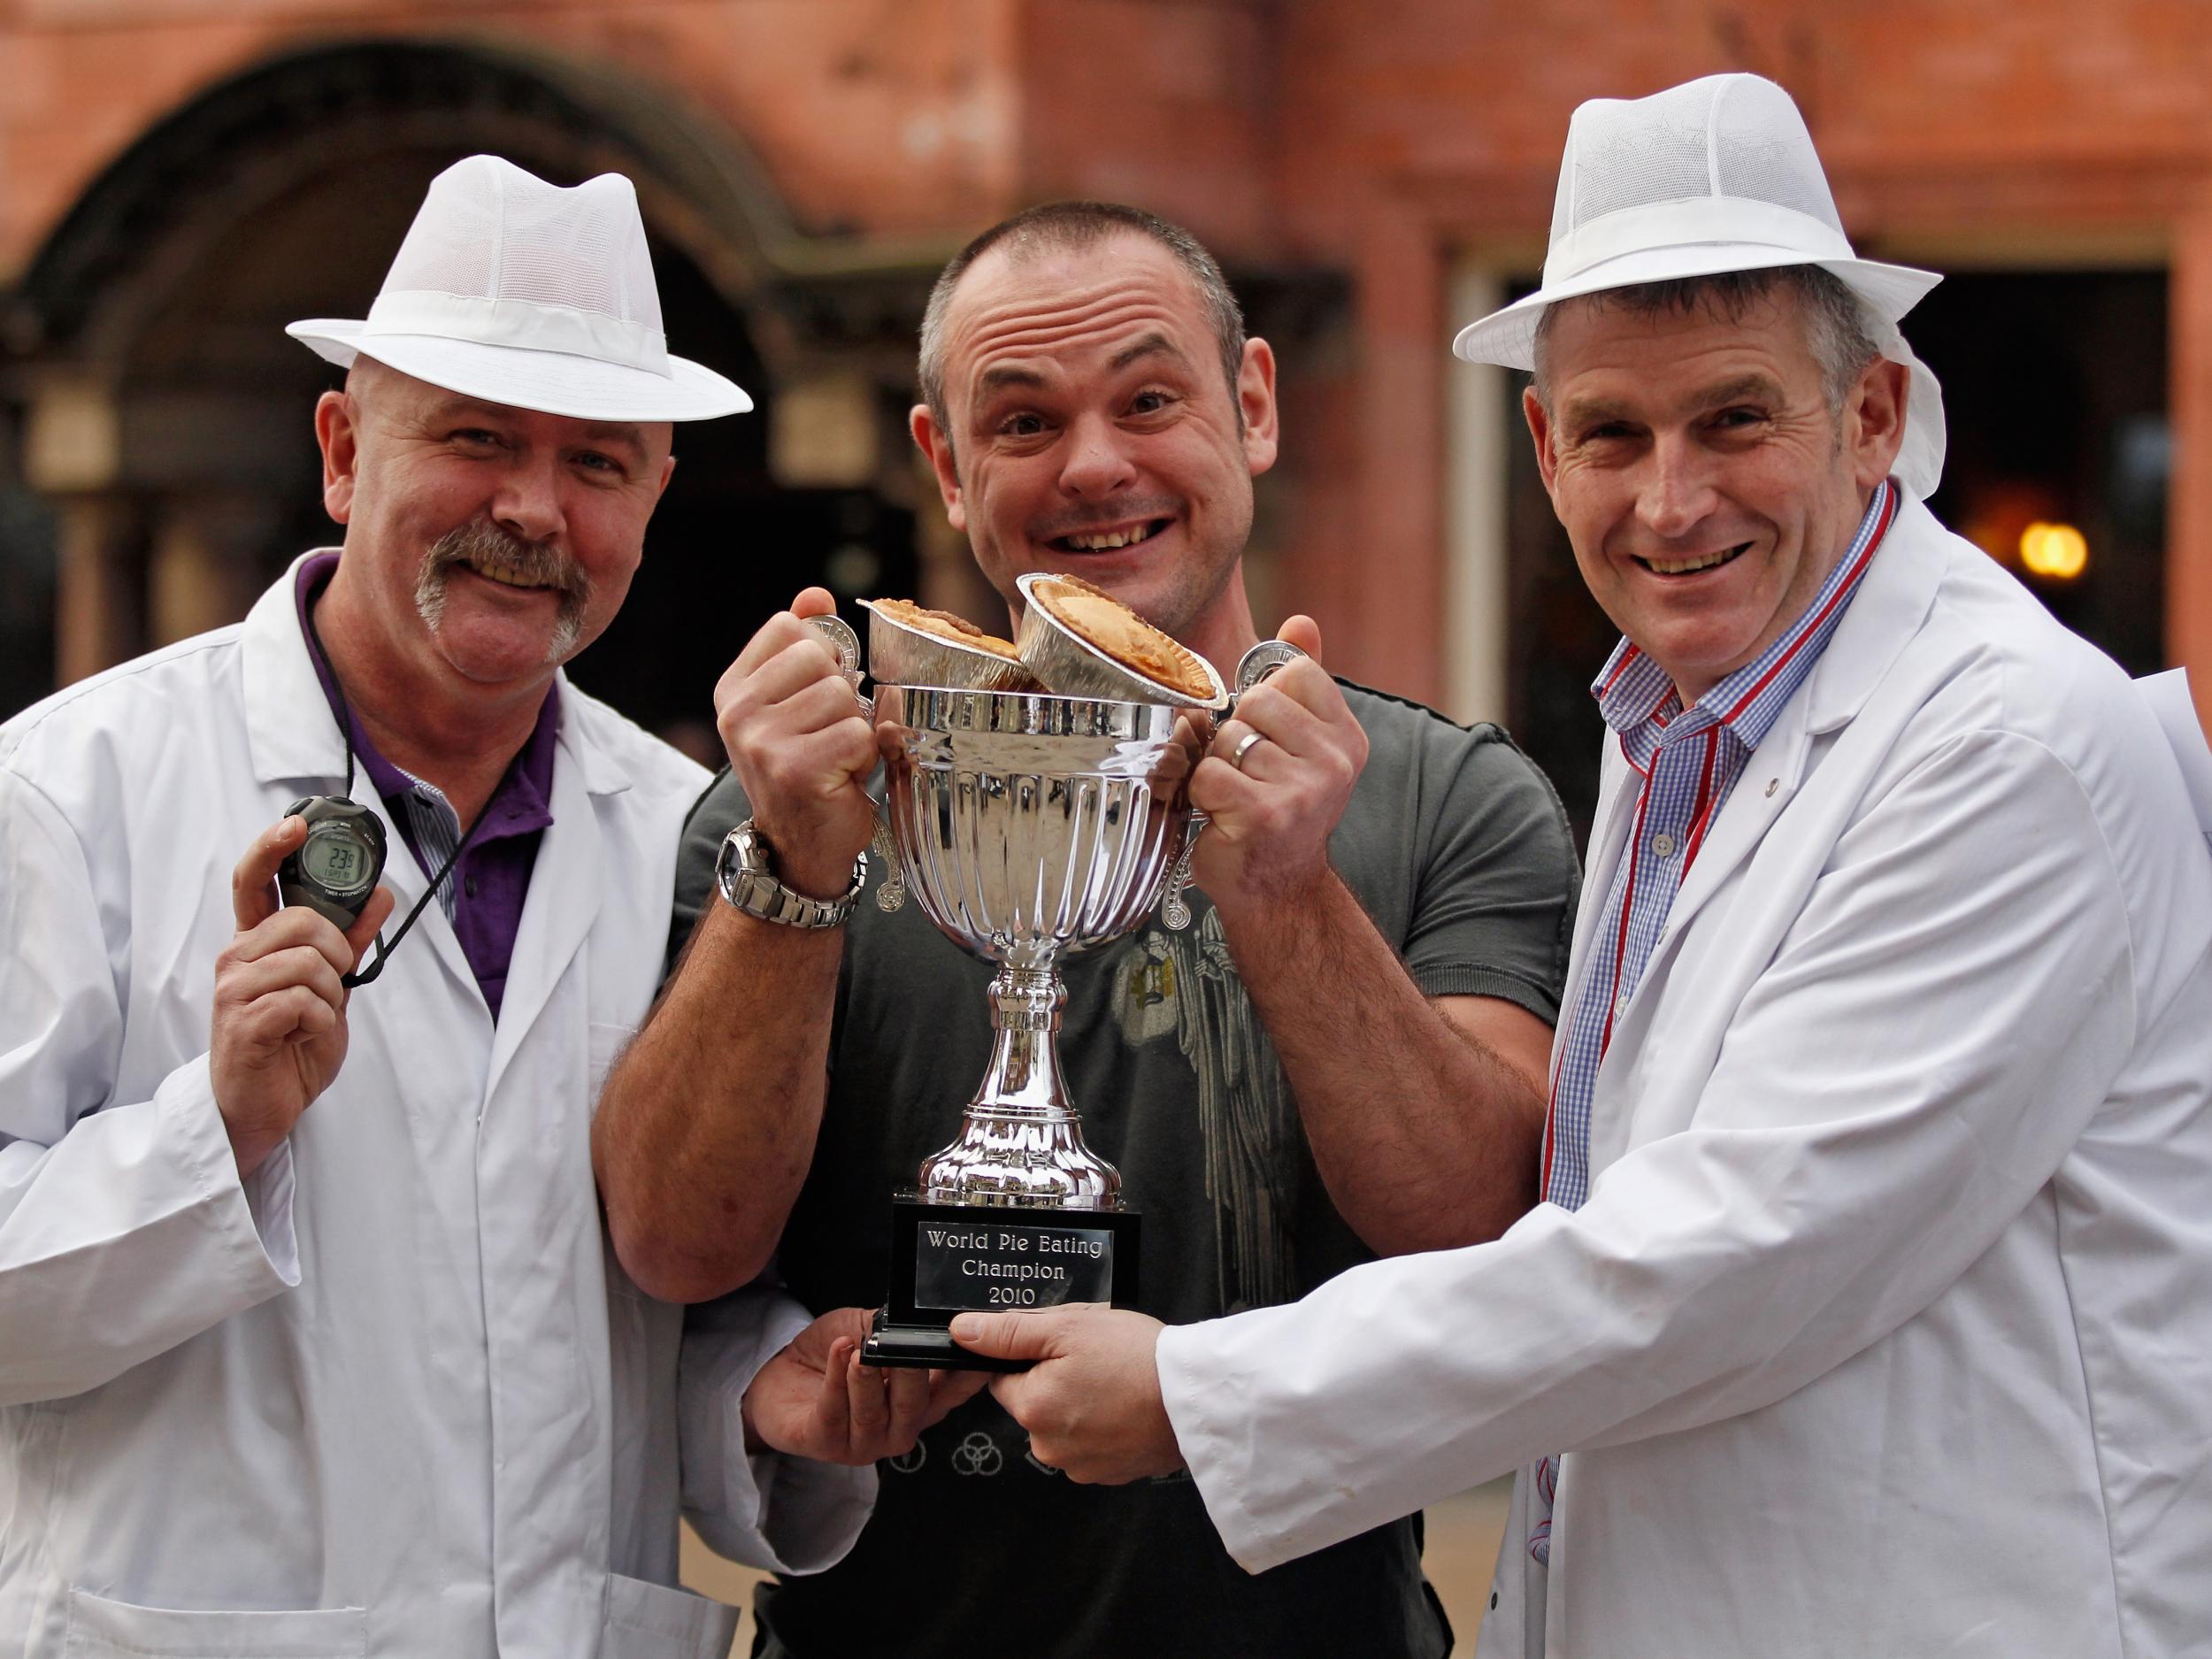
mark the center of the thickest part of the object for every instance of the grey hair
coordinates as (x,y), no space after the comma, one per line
(1072,227)
(1839,330)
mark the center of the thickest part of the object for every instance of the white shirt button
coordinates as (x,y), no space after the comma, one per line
(1663,844)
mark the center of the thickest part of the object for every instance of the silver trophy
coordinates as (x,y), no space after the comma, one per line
(1029,827)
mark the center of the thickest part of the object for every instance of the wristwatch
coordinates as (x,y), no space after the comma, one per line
(747,880)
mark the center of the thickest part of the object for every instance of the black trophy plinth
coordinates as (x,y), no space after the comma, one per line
(986,1258)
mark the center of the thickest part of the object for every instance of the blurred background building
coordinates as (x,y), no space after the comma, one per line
(180,178)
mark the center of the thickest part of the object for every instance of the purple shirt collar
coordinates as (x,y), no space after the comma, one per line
(489,883)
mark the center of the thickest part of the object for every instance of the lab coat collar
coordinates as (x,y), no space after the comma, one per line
(1892,602)
(294,739)
(281,686)
(560,909)
(289,727)
(309,754)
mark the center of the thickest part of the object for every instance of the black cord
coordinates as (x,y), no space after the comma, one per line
(345,735)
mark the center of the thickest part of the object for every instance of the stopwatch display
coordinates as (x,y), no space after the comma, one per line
(334,872)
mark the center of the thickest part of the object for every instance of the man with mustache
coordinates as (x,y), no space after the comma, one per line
(310,1343)
(1341,1056)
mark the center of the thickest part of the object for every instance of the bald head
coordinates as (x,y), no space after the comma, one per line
(1074,227)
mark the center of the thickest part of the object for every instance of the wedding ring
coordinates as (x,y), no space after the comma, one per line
(1244,748)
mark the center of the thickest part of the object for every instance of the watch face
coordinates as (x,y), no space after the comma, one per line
(335,859)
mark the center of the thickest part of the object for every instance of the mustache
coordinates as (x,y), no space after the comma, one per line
(484,543)
(488,544)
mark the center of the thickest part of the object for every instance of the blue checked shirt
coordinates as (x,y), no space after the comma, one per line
(1690,760)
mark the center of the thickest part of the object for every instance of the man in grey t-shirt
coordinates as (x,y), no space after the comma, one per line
(1343,1056)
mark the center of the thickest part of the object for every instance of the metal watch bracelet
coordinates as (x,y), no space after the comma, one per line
(746,877)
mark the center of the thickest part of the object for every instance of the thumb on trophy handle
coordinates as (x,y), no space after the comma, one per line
(1303,632)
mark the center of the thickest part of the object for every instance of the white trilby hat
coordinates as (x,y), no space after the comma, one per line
(522,293)
(1712,176)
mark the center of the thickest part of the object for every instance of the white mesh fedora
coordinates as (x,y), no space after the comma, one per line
(522,293)
(1715,176)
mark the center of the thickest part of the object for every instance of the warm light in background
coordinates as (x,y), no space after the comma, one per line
(1997,514)
(2057,551)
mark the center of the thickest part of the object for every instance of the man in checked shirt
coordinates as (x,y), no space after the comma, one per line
(1870,1308)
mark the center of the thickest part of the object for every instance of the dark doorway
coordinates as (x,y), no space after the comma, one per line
(2054,385)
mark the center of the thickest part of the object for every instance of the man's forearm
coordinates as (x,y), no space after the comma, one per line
(706,1125)
(1426,1136)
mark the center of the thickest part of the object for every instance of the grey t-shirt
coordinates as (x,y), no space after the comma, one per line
(1456,846)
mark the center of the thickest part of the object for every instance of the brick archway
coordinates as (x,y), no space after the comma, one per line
(168,415)
(255,137)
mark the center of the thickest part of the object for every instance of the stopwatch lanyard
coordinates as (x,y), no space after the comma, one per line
(345,734)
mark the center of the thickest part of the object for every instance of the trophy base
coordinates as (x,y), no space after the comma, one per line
(931,1346)
(948,1259)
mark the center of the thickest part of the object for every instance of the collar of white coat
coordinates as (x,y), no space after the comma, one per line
(289,724)
(1890,605)
(1887,611)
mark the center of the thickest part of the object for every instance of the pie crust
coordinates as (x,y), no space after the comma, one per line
(1104,623)
(945,626)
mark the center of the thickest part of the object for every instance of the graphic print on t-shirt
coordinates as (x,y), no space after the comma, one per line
(978,1453)
(1186,984)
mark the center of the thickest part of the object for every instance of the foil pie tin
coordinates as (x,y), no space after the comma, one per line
(1069,666)
(900,654)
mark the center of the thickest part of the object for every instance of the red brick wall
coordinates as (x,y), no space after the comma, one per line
(870,115)
(1953,130)
(1375,136)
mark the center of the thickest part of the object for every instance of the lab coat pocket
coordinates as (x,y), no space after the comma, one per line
(652,1621)
(103,1628)
(604,1047)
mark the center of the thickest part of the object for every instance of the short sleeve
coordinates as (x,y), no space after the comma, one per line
(1495,907)
(720,809)
(1479,832)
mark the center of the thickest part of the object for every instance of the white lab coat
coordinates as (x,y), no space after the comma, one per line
(1887,1327)
(394,1396)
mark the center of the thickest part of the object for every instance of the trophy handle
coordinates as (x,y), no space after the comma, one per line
(1259,663)
(892,894)
(1175,908)
(844,644)
(1256,665)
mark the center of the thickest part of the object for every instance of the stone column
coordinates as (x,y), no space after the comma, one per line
(204,567)
(1391,590)
(1478,593)
(98,594)
(72,454)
